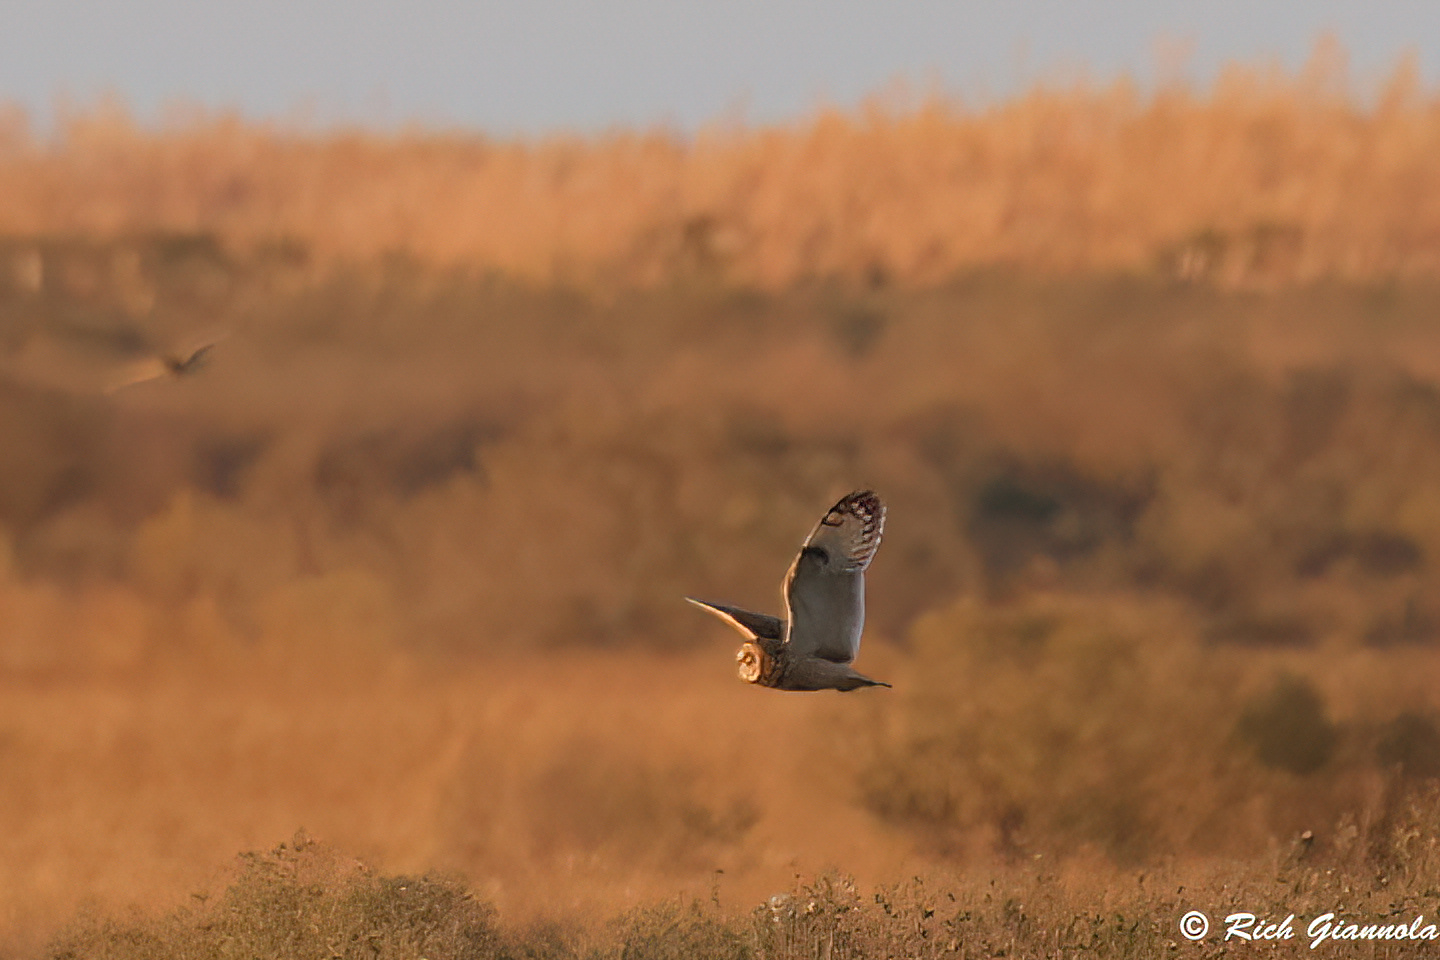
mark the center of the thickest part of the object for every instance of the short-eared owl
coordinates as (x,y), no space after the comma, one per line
(175,365)
(825,595)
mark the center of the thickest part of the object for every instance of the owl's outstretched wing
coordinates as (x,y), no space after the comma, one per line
(138,371)
(825,588)
(752,625)
(181,363)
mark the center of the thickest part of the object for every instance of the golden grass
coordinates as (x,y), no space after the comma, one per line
(564,787)
(1263,179)
(1148,385)
(303,899)
(404,567)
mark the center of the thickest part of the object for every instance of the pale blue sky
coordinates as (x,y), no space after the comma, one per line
(545,65)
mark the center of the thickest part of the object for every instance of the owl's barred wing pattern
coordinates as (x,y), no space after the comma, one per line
(851,531)
(752,625)
(825,598)
(825,588)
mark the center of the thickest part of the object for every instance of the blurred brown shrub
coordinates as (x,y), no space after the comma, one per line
(298,901)
(301,900)
(1067,723)
(489,463)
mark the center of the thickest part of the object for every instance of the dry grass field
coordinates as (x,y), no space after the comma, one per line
(1151,385)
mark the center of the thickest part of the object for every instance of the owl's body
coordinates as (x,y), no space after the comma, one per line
(172,365)
(181,364)
(825,595)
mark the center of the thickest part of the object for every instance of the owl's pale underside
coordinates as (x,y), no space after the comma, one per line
(825,598)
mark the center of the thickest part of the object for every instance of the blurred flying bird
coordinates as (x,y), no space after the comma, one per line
(178,364)
(825,597)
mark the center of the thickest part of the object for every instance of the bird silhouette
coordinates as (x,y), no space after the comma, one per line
(825,598)
(174,364)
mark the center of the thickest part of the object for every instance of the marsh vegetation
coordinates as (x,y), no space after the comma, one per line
(1151,386)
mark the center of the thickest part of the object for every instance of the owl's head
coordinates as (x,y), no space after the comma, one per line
(753,662)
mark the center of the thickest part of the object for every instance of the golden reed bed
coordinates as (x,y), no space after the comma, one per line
(1263,178)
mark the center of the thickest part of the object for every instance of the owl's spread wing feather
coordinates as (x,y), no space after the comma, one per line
(139,371)
(180,363)
(752,625)
(850,532)
(825,588)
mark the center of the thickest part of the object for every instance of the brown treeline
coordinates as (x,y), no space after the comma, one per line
(1264,178)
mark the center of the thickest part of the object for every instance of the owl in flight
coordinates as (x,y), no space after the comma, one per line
(175,365)
(825,597)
